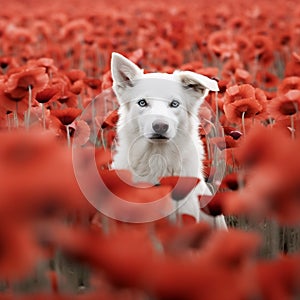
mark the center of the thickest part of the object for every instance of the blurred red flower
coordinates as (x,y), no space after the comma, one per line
(46,95)
(266,79)
(293,65)
(278,279)
(289,83)
(285,105)
(261,49)
(16,264)
(66,116)
(244,102)
(20,80)
(221,44)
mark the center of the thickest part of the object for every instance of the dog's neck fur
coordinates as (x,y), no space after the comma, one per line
(150,161)
(155,162)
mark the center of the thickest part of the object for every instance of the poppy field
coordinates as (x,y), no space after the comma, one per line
(55,60)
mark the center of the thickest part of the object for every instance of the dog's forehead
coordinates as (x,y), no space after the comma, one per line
(158,85)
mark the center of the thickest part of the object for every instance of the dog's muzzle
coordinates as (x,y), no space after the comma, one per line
(160,129)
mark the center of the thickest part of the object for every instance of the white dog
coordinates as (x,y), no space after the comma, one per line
(158,127)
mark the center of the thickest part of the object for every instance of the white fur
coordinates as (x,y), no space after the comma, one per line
(181,153)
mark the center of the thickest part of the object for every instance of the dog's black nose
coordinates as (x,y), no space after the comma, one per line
(160,127)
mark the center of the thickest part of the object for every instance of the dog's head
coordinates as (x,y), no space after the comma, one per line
(156,105)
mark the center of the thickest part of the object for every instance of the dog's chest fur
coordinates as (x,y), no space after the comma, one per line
(149,162)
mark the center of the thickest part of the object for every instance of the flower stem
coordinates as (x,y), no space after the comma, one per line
(16,120)
(217,107)
(68,136)
(8,122)
(292,127)
(243,122)
(43,116)
(27,123)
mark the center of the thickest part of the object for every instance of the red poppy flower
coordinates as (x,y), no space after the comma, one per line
(67,98)
(110,120)
(120,184)
(177,240)
(259,146)
(266,79)
(292,67)
(243,44)
(136,258)
(267,191)
(32,161)
(77,87)
(181,186)
(193,66)
(224,142)
(289,83)
(16,264)
(75,75)
(46,95)
(230,67)
(210,72)
(233,132)
(261,49)
(20,80)
(71,29)
(7,63)
(221,44)
(291,130)
(81,132)
(236,93)
(45,62)
(246,108)
(237,23)
(19,34)
(285,105)
(232,181)
(136,55)
(180,278)
(242,76)
(278,279)
(66,116)
(214,206)
(9,103)
(94,84)
(244,102)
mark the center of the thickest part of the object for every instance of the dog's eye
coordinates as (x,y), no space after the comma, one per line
(142,103)
(174,103)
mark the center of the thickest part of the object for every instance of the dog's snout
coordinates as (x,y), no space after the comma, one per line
(160,127)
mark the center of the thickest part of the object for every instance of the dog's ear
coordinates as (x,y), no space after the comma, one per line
(123,70)
(197,83)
